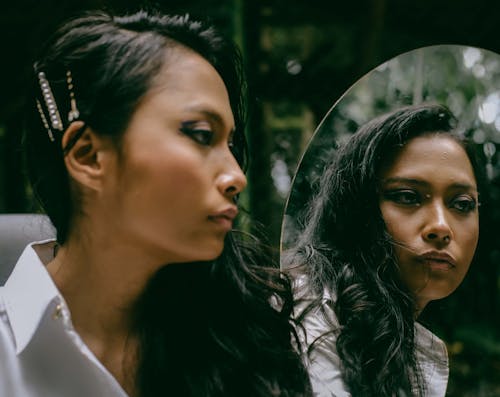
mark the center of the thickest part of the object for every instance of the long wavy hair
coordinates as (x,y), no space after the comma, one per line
(218,328)
(346,251)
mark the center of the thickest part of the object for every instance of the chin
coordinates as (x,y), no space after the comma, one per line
(437,295)
(209,254)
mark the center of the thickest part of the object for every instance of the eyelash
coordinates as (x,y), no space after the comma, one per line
(205,137)
(462,203)
(202,136)
(467,204)
(401,197)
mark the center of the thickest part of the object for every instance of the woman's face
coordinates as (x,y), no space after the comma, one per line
(172,191)
(429,202)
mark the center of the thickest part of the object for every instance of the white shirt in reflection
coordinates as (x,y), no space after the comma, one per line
(324,365)
(41,355)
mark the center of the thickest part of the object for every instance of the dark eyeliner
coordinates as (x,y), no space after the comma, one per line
(464,204)
(402,196)
(202,136)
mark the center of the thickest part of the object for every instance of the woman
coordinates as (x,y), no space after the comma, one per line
(134,146)
(393,226)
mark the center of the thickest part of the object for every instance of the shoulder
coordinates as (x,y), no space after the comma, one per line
(319,337)
(10,373)
(429,344)
(432,358)
(6,335)
(324,364)
(315,311)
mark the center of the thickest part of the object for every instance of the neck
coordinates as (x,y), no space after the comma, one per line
(420,306)
(101,279)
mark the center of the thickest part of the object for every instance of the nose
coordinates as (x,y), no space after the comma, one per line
(231,181)
(437,228)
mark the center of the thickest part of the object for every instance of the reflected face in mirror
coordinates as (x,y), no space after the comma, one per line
(428,200)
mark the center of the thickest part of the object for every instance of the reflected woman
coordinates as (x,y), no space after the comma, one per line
(395,225)
(135,146)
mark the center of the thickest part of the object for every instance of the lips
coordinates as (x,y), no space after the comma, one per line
(438,260)
(225,217)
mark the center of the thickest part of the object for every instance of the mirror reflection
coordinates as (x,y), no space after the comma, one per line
(395,198)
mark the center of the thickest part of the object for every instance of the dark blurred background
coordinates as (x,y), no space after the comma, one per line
(300,58)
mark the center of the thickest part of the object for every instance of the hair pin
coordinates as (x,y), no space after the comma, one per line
(44,120)
(50,103)
(73,113)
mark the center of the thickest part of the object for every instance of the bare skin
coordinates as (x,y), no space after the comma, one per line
(101,315)
(147,206)
(429,204)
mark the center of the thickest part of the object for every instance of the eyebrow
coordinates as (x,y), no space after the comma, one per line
(210,114)
(418,182)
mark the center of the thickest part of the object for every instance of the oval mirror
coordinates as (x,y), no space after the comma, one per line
(467,81)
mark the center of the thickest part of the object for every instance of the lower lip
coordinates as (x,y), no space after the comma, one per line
(224,223)
(437,265)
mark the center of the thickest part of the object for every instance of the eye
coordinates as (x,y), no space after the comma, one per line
(403,197)
(233,149)
(236,145)
(199,135)
(464,204)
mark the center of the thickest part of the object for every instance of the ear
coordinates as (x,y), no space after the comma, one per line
(86,159)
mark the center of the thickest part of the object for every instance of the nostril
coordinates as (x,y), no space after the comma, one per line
(231,189)
(441,237)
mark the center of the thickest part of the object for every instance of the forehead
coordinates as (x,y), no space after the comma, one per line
(188,81)
(434,157)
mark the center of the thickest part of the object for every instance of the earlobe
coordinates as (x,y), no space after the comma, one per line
(82,155)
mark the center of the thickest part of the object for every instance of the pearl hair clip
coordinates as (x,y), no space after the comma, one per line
(73,113)
(51,105)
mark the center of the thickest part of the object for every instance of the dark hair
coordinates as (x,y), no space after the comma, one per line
(113,61)
(346,250)
(221,336)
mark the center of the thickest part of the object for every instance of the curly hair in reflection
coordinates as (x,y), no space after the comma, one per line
(346,251)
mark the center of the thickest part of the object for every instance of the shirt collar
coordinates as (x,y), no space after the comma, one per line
(28,293)
(430,345)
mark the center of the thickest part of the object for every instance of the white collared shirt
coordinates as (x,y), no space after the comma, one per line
(41,355)
(325,368)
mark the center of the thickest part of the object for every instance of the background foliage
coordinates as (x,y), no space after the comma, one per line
(301,57)
(467,80)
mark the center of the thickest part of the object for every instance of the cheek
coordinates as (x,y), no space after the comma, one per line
(172,173)
(397,231)
(397,224)
(468,239)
